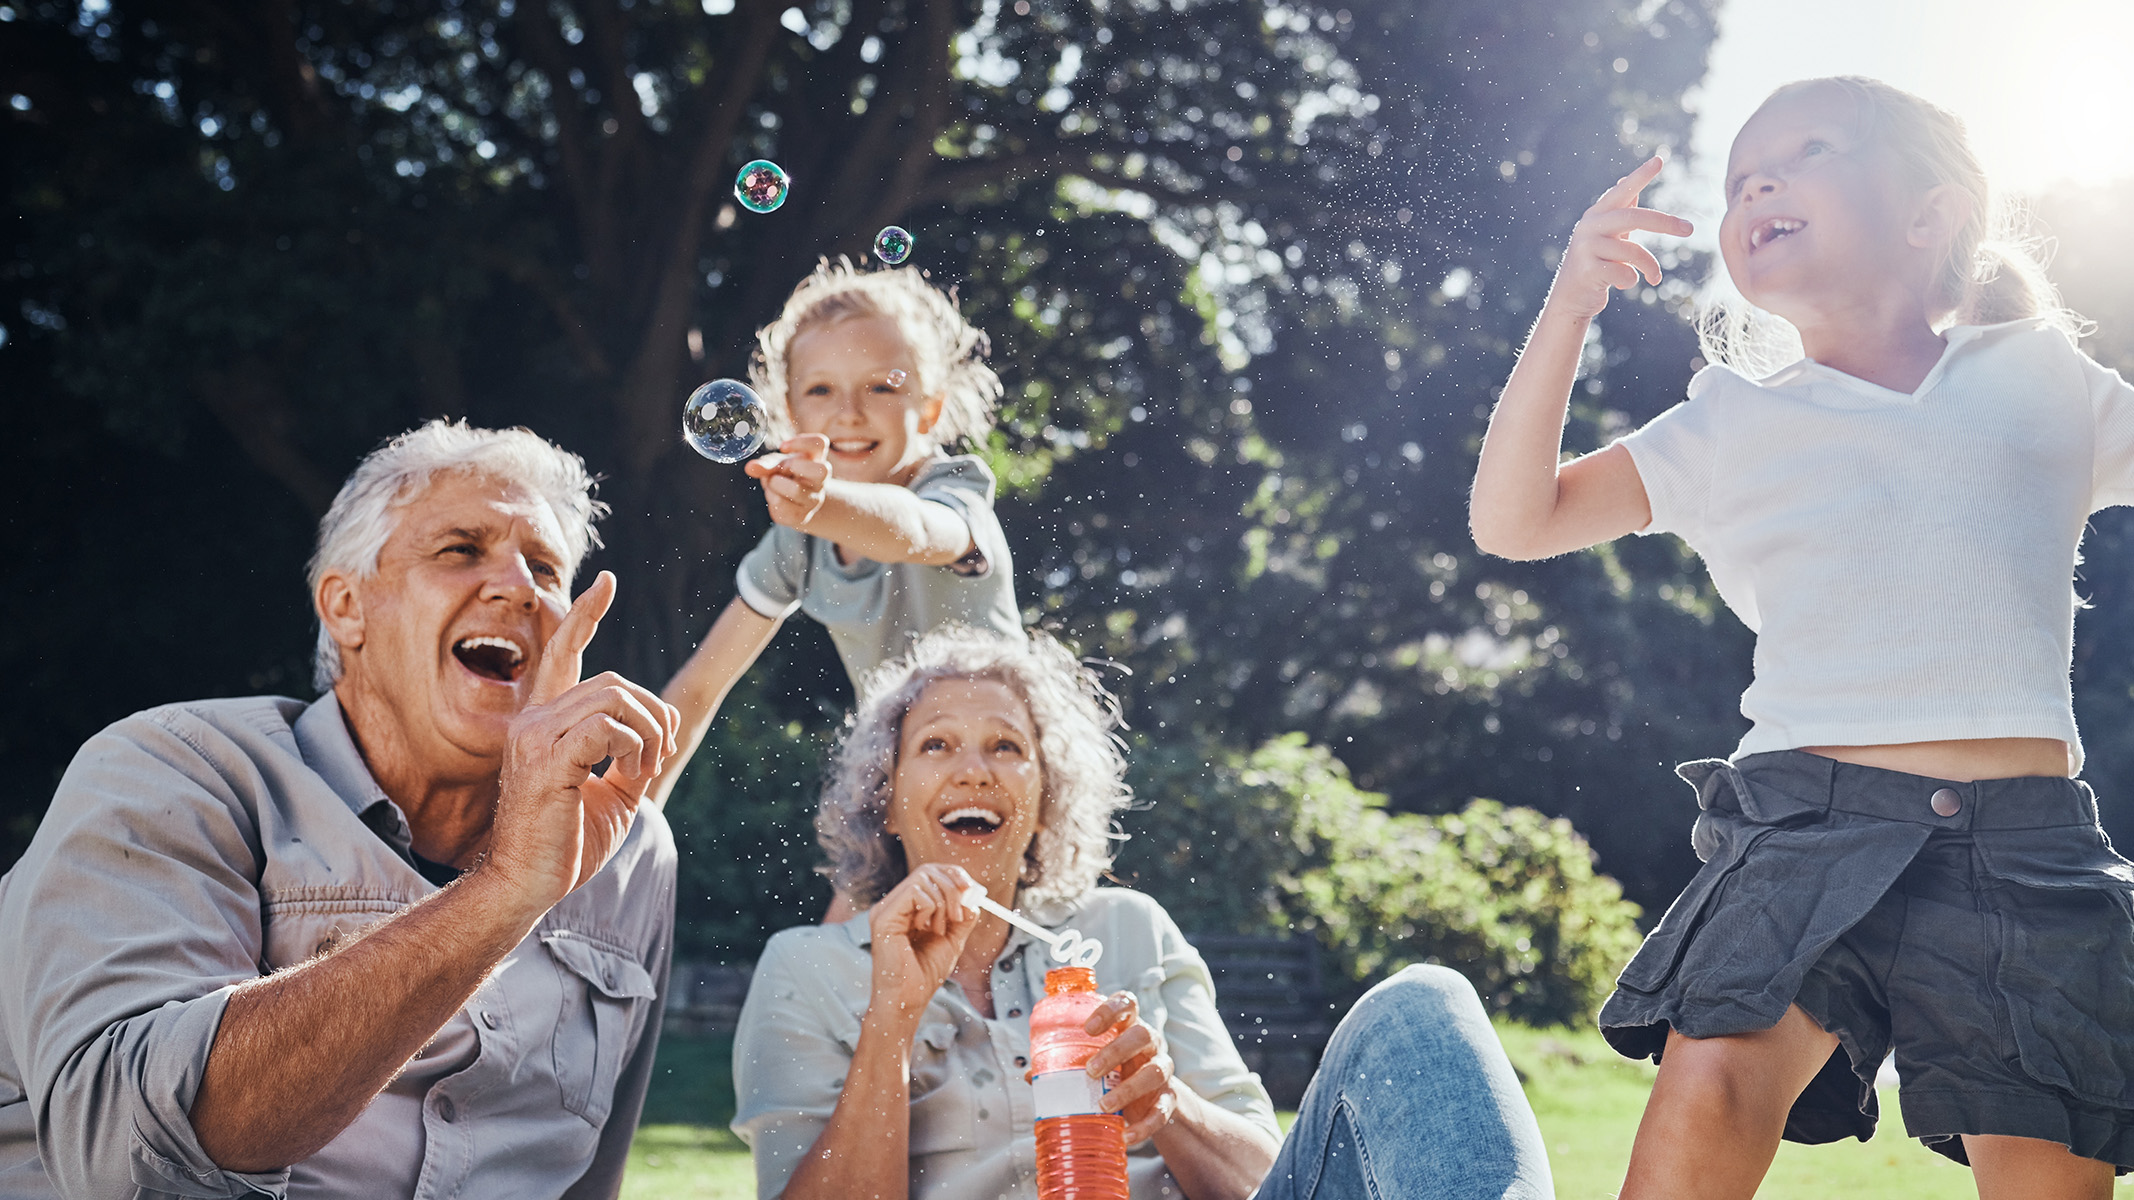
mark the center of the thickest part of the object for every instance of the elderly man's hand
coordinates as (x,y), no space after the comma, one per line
(557,822)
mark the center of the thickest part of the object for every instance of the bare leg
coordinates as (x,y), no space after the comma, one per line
(1718,1108)
(2014,1168)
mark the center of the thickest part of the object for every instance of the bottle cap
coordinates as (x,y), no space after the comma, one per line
(1070,979)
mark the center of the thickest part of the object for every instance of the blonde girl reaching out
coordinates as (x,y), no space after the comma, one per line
(1897,856)
(878,532)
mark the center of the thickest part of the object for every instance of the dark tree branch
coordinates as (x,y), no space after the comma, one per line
(535,278)
(647,397)
(250,404)
(540,41)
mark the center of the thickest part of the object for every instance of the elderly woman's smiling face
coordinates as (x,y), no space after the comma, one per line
(968,785)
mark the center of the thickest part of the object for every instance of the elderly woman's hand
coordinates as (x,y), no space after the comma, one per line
(1148,1095)
(919,930)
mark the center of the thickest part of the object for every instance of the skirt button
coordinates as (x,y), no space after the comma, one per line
(1945,802)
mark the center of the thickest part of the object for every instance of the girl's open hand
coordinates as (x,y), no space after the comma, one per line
(1602,256)
(794,479)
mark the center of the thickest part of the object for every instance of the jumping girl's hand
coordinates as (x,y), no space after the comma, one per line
(919,929)
(794,479)
(1602,256)
(1147,1093)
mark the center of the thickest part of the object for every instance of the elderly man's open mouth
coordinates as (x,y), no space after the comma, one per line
(491,656)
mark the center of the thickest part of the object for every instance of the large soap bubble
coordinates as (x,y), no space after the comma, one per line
(761,186)
(893,245)
(724,421)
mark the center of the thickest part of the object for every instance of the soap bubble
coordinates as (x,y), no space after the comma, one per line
(724,421)
(893,245)
(761,186)
(897,377)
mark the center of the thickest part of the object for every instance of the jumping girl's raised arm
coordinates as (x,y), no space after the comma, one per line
(1525,505)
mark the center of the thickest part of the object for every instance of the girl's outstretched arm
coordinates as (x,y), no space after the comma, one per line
(881,521)
(697,690)
(1525,505)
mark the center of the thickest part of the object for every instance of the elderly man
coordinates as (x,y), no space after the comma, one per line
(401,941)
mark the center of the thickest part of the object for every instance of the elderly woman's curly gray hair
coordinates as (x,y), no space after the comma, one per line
(1079,752)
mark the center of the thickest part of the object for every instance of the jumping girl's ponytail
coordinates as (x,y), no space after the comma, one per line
(1995,269)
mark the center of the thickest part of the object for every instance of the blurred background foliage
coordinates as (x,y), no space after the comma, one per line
(1252,268)
(1279,840)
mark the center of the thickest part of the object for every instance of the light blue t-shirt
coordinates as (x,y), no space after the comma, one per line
(875,611)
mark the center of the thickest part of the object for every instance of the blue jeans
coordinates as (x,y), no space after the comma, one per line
(1414,1099)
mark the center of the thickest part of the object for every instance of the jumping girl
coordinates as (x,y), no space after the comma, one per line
(1897,856)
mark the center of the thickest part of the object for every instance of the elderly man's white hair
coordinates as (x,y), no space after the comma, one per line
(355,529)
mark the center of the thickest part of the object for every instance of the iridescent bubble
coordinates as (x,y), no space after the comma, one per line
(897,377)
(761,186)
(893,245)
(724,421)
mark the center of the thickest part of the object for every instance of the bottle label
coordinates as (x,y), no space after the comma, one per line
(1067,1093)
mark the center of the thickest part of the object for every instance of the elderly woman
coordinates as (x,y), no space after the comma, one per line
(885,1056)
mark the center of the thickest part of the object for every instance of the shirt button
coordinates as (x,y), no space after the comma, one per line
(446,1110)
(489,1019)
(1015,1012)
(1945,802)
(1020,1061)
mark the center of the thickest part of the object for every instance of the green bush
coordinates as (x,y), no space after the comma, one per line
(1280,840)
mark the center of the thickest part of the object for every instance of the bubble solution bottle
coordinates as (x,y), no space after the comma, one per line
(1081,1152)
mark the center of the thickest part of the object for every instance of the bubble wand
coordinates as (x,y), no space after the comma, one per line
(1068,945)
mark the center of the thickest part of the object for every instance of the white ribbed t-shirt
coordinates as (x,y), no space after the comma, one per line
(1905,561)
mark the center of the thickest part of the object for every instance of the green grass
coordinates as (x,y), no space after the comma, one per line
(1587,1099)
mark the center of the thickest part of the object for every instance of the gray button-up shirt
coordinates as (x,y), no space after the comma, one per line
(194,847)
(973,1116)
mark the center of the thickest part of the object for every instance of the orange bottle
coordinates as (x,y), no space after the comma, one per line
(1081,1152)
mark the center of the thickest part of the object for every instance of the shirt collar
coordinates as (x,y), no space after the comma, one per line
(322,737)
(1955,339)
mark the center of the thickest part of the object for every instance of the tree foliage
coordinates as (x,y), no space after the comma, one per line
(1251,269)
(1279,840)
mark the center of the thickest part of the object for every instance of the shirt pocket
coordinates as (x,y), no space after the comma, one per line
(605,992)
(2066,969)
(298,924)
(944,1102)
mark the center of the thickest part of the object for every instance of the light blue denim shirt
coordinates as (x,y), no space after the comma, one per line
(973,1120)
(194,847)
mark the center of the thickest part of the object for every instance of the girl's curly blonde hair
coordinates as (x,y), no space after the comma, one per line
(951,351)
(1078,751)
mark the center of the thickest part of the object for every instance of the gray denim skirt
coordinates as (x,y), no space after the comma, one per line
(1983,931)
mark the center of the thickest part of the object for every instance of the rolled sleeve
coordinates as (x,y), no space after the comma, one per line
(1203,1056)
(789,1065)
(773,575)
(133,917)
(964,486)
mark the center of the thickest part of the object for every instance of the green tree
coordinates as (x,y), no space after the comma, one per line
(252,240)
